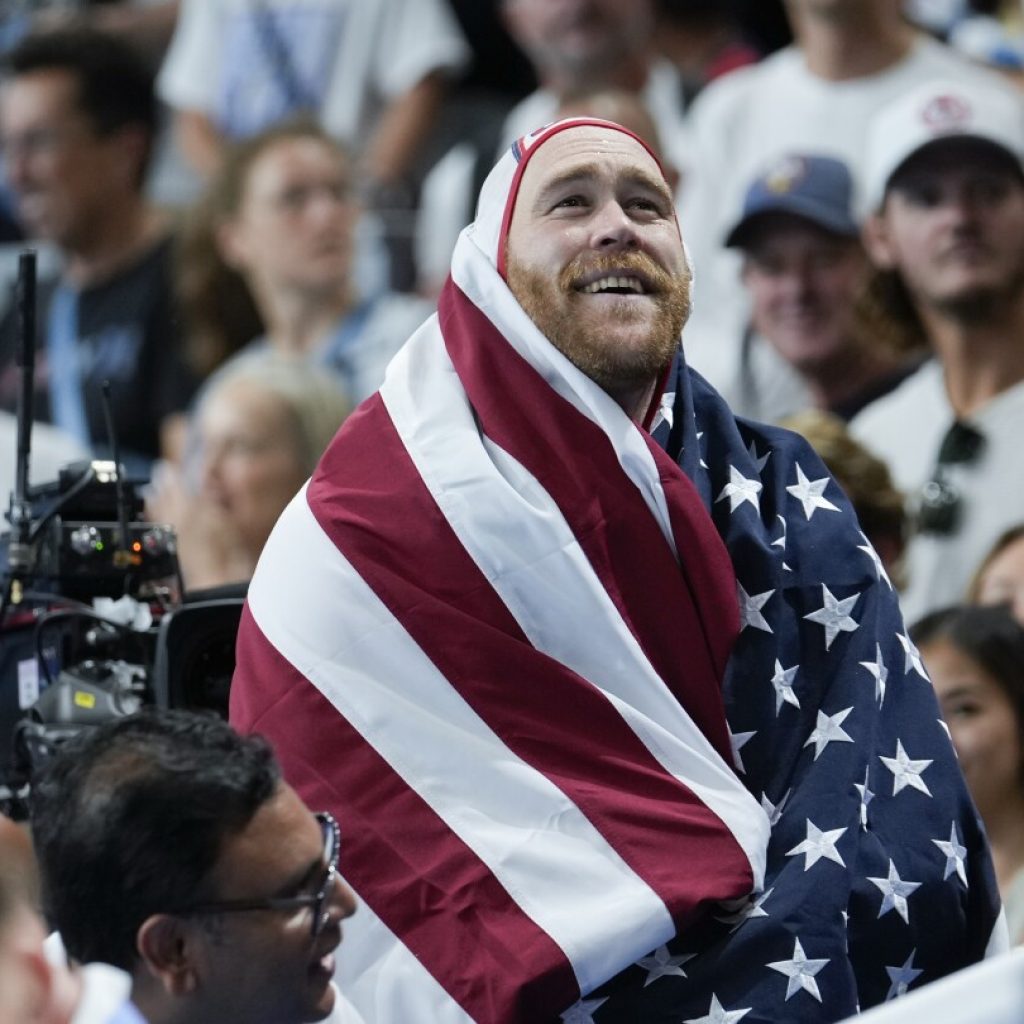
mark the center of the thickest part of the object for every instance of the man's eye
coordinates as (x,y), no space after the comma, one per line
(570,201)
(646,205)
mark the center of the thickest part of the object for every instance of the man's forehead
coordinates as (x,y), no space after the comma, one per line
(583,148)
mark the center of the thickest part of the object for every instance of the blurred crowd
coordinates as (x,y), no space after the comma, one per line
(245,207)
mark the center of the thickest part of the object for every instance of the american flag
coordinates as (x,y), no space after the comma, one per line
(614,734)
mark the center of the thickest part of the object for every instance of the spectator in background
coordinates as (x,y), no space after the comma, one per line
(945,179)
(1000,577)
(579,49)
(170,848)
(850,58)
(282,213)
(260,427)
(76,126)
(373,73)
(805,271)
(975,657)
(864,479)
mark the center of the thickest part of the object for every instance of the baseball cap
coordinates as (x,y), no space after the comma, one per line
(816,188)
(934,113)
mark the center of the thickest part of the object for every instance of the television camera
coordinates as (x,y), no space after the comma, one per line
(94,620)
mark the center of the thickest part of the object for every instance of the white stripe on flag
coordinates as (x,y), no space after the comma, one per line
(517,536)
(536,842)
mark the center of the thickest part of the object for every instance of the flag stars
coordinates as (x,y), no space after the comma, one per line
(834,615)
(583,1011)
(869,549)
(800,972)
(911,657)
(750,609)
(818,845)
(906,772)
(739,489)
(782,680)
(829,729)
(738,740)
(774,811)
(955,854)
(894,893)
(662,965)
(758,460)
(743,909)
(879,672)
(901,978)
(717,1014)
(866,796)
(810,493)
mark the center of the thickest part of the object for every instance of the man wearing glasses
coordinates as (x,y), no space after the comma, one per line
(944,176)
(170,847)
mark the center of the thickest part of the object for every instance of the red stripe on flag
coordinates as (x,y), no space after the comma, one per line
(392,532)
(418,877)
(685,622)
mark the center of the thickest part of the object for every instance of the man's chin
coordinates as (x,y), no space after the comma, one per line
(325,1004)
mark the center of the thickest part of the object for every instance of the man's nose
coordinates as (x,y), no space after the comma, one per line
(613,229)
(341,902)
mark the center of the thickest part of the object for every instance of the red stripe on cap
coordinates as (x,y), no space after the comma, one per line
(417,876)
(685,620)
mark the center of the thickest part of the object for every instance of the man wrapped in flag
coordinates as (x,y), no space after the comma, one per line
(617,730)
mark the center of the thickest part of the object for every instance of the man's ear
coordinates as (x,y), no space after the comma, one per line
(875,235)
(166,946)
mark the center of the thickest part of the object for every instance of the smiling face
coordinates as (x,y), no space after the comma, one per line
(595,258)
(982,722)
(266,966)
(803,283)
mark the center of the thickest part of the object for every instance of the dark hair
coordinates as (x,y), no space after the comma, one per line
(114,86)
(130,817)
(989,636)
(1006,539)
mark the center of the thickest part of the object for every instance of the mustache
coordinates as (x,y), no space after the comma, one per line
(658,280)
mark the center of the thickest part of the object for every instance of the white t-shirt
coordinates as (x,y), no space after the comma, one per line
(906,428)
(348,58)
(742,122)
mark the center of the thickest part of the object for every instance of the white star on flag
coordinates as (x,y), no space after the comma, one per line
(829,730)
(783,683)
(583,1011)
(780,541)
(666,411)
(800,971)
(866,796)
(759,460)
(750,609)
(894,893)
(869,549)
(809,493)
(955,854)
(700,434)
(738,740)
(743,909)
(902,978)
(818,844)
(718,1015)
(774,811)
(911,657)
(879,672)
(739,489)
(834,615)
(660,964)
(906,771)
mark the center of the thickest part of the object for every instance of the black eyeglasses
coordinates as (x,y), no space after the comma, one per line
(318,900)
(940,504)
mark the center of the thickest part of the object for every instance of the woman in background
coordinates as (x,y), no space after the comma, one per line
(975,657)
(259,429)
(1000,577)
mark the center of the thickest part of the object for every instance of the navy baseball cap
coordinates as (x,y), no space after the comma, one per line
(817,188)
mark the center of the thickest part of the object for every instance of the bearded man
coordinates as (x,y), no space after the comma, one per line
(498,636)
